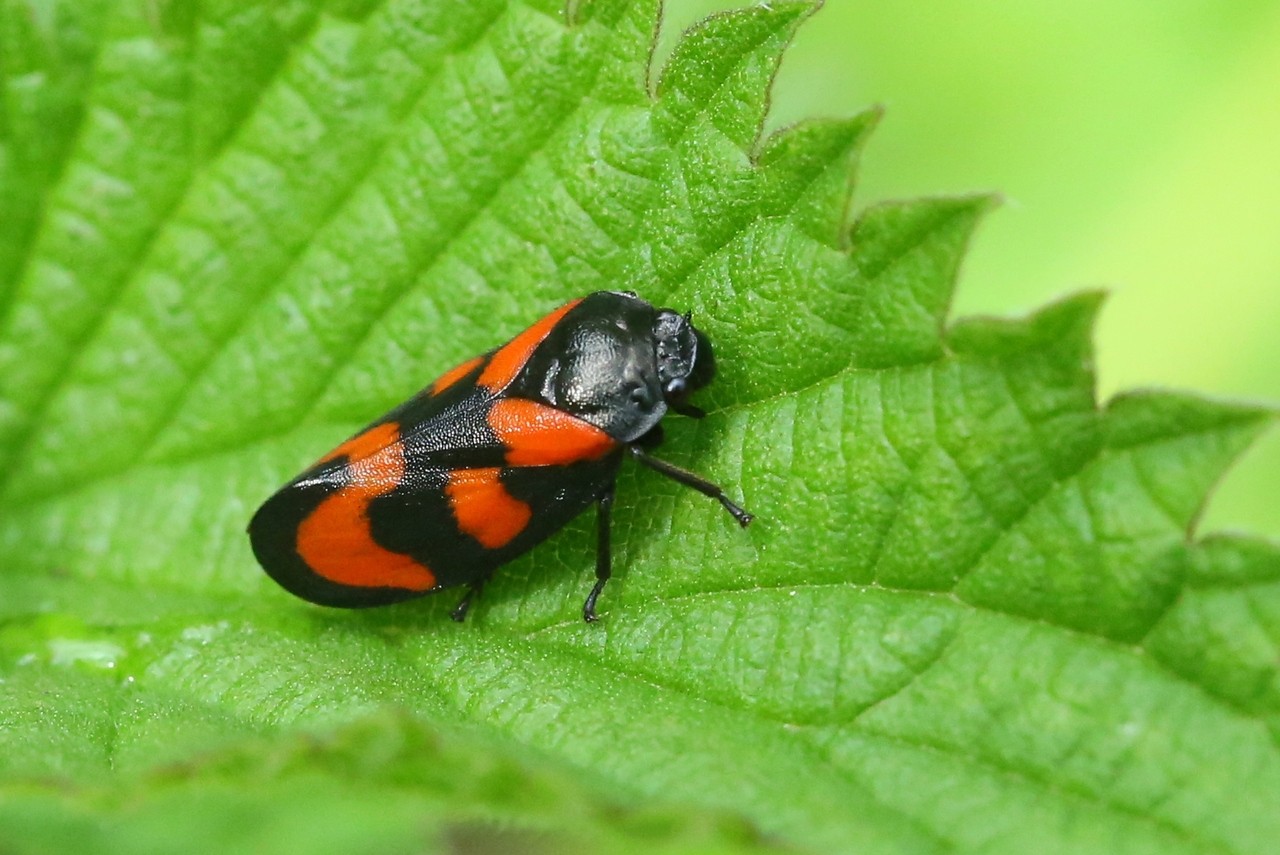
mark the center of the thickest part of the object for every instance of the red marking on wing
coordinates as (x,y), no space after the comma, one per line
(365,444)
(335,541)
(453,375)
(483,507)
(512,356)
(538,435)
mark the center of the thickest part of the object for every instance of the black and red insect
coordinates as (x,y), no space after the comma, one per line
(491,459)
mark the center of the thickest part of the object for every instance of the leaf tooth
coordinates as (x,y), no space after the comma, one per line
(1223,633)
(1182,444)
(811,169)
(1064,327)
(906,258)
(722,69)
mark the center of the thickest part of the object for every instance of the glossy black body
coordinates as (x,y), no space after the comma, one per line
(612,360)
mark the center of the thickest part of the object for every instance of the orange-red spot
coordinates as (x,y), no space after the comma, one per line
(512,356)
(453,375)
(483,507)
(365,444)
(537,435)
(335,541)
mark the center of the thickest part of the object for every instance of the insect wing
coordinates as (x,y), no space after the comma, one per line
(315,536)
(469,522)
(443,489)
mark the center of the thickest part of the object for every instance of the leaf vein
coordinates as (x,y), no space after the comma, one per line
(103,309)
(1065,790)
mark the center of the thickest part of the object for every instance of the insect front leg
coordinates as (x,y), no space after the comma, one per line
(697,482)
(604,556)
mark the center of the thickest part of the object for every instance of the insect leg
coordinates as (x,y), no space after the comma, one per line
(702,485)
(459,612)
(604,557)
(689,410)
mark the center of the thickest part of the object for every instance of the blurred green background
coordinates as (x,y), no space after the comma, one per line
(1136,145)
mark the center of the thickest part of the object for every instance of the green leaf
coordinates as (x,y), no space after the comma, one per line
(973,613)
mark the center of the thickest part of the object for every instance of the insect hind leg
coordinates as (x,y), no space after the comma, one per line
(459,612)
(604,555)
